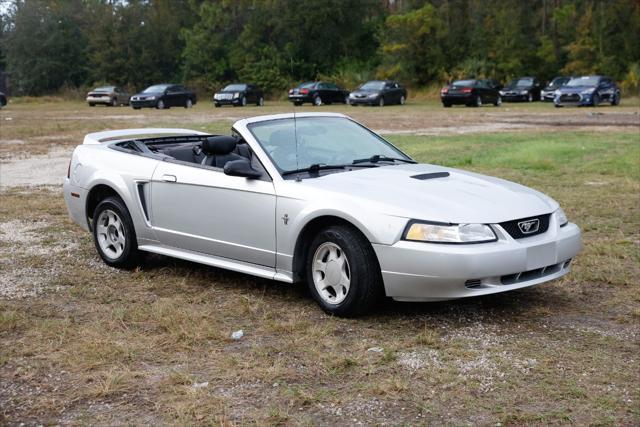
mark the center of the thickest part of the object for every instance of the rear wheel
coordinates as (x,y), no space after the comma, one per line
(595,100)
(297,104)
(114,234)
(478,101)
(343,274)
(216,105)
(188,103)
(317,101)
(402,100)
(446,105)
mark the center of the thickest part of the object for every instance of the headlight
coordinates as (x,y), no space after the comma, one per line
(501,92)
(449,233)
(236,95)
(587,91)
(562,217)
(524,92)
(373,95)
(216,96)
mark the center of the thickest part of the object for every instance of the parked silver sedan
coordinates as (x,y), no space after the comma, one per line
(315,198)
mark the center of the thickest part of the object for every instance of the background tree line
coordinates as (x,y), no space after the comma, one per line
(46,45)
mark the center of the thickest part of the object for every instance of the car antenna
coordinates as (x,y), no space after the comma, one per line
(295,129)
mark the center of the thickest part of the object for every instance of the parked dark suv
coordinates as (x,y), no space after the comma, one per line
(163,96)
(522,89)
(318,93)
(471,92)
(239,94)
(379,92)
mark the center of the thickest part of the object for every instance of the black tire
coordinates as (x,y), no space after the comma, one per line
(498,101)
(92,104)
(260,102)
(160,105)
(114,102)
(216,105)
(446,105)
(297,104)
(136,108)
(478,101)
(616,99)
(366,288)
(595,100)
(130,255)
(381,101)
(530,97)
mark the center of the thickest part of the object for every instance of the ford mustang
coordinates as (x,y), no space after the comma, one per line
(315,198)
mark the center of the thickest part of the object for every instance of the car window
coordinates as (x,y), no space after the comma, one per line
(155,89)
(322,86)
(299,143)
(234,87)
(373,85)
(467,83)
(583,81)
(332,86)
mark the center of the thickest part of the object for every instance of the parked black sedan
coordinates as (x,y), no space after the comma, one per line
(318,93)
(163,96)
(588,90)
(472,93)
(549,91)
(522,89)
(239,94)
(379,92)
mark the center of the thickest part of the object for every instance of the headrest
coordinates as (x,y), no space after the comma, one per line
(218,145)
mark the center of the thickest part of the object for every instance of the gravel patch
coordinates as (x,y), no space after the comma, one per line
(44,169)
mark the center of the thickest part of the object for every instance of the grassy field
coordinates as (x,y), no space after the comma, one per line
(86,344)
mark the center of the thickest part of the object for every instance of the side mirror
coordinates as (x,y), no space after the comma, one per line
(241,168)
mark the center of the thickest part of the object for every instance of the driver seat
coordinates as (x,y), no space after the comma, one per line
(219,150)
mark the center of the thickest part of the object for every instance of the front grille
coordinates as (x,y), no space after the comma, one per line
(525,276)
(570,97)
(518,231)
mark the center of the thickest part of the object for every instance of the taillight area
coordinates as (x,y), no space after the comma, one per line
(290,91)
(444,90)
(304,91)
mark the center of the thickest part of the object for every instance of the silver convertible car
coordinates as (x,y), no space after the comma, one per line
(315,198)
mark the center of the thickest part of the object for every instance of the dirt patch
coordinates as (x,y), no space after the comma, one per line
(35,170)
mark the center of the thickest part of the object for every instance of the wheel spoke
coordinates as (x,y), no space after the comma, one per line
(320,265)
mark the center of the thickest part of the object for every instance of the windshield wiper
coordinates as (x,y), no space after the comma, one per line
(316,167)
(381,158)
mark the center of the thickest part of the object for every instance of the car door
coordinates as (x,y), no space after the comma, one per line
(203,210)
(605,89)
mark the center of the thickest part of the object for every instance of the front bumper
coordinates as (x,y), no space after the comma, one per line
(364,101)
(76,199)
(578,99)
(416,271)
(300,98)
(514,97)
(232,101)
(144,103)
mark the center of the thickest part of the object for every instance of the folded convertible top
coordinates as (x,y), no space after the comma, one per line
(114,135)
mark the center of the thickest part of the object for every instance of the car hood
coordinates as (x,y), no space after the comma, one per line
(149,94)
(230,91)
(461,197)
(573,89)
(517,87)
(366,92)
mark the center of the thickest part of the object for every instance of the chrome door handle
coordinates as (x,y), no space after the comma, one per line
(169,178)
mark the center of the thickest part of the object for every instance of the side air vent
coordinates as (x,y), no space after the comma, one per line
(433,175)
(143,199)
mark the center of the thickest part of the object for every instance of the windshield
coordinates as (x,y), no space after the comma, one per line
(464,83)
(372,86)
(307,85)
(320,141)
(155,89)
(521,82)
(558,81)
(236,87)
(583,81)
(103,89)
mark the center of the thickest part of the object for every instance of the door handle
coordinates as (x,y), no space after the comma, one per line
(169,178)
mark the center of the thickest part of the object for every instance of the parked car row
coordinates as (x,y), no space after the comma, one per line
(562,90)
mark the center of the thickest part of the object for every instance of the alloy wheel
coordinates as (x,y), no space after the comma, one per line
(331,273)
(110,234)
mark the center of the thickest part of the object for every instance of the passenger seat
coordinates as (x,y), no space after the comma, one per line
(219,150)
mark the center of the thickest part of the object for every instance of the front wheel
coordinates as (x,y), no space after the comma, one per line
(297,104)
(188,103)
(114,102)
(595,100)
(498,101)
(260,102)
(216,105)
(530,97)
(114,234)
(343,274)
(381,102)
(616,99)
(160,105)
